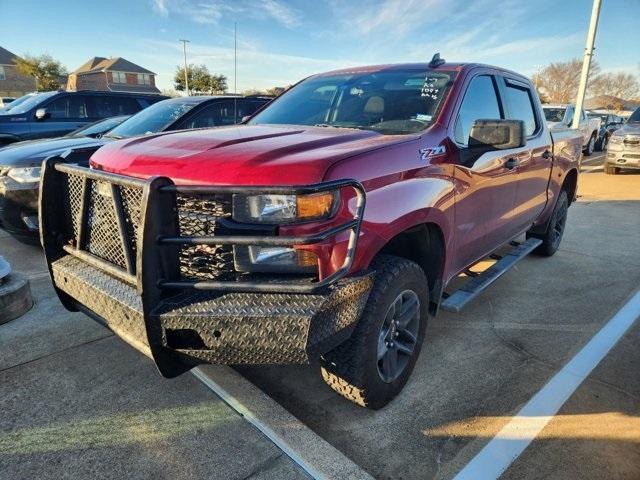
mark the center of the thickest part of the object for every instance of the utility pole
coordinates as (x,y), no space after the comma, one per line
(235,57)
(186,77)
(586,64)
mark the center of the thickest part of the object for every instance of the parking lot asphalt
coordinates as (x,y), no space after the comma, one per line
(76,402)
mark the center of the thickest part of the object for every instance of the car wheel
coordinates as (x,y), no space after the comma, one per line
(552,237)
(611,170)
(590,146)
(602,145)
(374,364)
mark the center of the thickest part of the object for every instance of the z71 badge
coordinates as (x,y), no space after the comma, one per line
(427,153)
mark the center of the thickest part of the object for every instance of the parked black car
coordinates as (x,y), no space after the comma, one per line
(609,123)
(20,162)
(53,114)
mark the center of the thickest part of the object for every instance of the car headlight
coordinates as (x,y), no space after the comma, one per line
(283,209)
(25,174)
(616,139)
(273,259)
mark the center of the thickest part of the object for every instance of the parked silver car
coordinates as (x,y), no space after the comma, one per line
(624,146)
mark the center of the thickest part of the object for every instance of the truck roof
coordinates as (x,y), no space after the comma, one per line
(446,67)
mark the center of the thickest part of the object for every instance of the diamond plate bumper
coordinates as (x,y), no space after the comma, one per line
(224,328)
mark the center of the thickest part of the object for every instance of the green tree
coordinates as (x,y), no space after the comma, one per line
(200,80)
(47,71)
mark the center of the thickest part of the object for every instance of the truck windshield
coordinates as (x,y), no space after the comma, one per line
(152,119)
(390,102)
(554,114)
(635,116)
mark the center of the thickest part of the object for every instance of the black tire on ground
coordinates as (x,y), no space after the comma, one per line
(555,229)
(588,151)
(601,146)
(389,334)
(15,297)
(610,169)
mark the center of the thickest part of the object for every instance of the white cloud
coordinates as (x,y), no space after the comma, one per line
(210,12)
(281,13)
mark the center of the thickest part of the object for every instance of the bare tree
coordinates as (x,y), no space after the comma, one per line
(619,84)
(558,82)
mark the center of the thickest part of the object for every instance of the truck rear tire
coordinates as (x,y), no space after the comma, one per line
(591,146)
(374,364)
(552,237)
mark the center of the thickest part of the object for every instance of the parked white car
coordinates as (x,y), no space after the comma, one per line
(560,116)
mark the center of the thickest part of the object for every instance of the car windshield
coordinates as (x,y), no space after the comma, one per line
(98,128)
(635,116)
(554,114)
(17,102)
(29,103)
(152,119)
(390,102)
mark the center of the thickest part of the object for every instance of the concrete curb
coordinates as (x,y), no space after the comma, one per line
(15,297)
(306,448)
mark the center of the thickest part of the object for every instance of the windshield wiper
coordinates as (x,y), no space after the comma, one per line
(115,137)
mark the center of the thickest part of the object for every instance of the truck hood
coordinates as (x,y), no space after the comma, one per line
(629,128)
(33,152)
(241,155)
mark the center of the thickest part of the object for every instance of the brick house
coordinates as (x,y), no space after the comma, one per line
(12,83)
(112,74)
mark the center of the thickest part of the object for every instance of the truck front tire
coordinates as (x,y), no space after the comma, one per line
(373,365)
(610,169)
(552,237)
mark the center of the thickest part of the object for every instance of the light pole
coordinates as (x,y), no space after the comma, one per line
(586,64)
(186,78)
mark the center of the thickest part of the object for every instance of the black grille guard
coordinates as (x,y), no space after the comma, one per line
(159,236)
(153,267)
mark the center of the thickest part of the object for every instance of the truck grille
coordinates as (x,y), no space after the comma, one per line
(196,217)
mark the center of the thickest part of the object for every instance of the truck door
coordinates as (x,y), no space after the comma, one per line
(486,183)
(534,162)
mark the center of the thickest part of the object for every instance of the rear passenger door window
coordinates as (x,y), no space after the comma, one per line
(215,115)
(106,106)
(68,107)
(480,103)
(519,106)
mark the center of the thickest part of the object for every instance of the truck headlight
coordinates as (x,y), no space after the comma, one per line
(616,139)
(273,259)
(280,209)
(25,174)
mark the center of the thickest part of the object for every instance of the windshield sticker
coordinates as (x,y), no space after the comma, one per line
(424,117)
(430,88)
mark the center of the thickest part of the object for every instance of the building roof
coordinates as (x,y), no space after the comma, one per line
(7,57)
(116,64)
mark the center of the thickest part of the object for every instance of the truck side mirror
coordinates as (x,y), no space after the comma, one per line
(489,135)
(245,119)
(42,114)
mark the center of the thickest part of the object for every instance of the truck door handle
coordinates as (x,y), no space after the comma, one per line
(546,155)
(511,163)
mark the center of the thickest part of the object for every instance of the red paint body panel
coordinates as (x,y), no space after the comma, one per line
(477,209)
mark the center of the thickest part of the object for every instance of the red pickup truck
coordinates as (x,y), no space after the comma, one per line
(325,229)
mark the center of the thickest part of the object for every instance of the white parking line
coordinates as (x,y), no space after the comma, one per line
(511,441)
(312,453)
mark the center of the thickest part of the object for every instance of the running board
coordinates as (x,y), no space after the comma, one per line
(476,285)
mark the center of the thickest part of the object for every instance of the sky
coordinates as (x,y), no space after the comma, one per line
(282,41)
